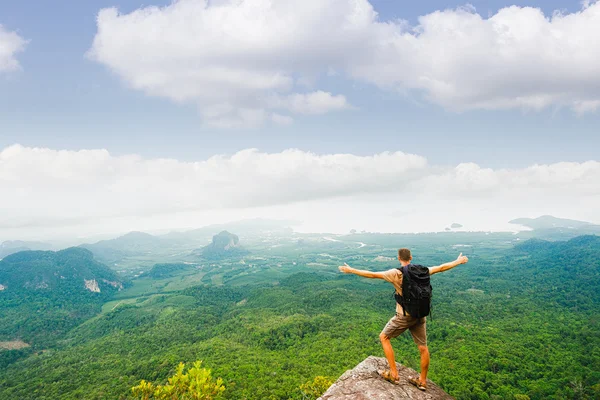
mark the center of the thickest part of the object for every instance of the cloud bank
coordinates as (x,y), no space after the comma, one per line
(10,44)
(390,191)
(244,62)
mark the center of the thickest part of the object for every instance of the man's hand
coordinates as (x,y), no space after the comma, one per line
(445,267)
(462,259)
(365,274)
(345,268)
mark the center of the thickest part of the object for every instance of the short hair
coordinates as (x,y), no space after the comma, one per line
(404,254)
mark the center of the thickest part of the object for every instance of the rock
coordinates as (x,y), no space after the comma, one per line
(363,383)
(223,245)
(92,285)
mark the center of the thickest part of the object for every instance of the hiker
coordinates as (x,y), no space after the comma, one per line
(403,320)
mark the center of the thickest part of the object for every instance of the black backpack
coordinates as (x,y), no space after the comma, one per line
(416,291)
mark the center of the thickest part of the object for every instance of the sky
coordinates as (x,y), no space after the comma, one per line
(380,115)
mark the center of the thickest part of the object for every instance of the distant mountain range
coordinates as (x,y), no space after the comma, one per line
(14,246)
(550,222)
(549,227)
(139,243)
(243,227)
(133,243)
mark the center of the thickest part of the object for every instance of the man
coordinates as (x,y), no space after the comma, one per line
(403,321)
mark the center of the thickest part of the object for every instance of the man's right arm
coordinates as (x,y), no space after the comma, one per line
(445,267)
(365,274)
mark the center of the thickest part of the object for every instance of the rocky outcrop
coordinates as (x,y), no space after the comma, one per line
(223,245)
(92,285)
(363,383)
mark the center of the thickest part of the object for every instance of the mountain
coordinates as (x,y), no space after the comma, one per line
(133,243)
(550,222)
(549,227)
(14,246)
(223,245)
(63,272)
(45,293)
(244,227)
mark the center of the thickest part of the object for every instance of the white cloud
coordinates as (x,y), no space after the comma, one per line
(10,44)
(81,190)
(239,55)
(516,58)
(311,103)
(36,182)
(228,54)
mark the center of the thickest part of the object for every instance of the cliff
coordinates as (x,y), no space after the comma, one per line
(363,383)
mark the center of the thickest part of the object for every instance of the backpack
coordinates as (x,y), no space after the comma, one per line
(416,291)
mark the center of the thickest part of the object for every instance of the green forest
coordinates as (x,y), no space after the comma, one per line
(520,320)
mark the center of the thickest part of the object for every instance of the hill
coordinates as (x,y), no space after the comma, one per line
(61,273)
(550,222)
(552,228)
(224,245)
(45,293)
(130,244)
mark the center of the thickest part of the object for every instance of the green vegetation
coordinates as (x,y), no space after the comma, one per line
(45,294)
(515,322)
(195,384)
(314,389)
(160,271)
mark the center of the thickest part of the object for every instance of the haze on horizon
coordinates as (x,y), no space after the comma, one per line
(342,114)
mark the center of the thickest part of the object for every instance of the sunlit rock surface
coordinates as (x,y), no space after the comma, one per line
(363,382)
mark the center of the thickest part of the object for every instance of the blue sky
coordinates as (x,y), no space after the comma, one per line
(485,112)
(60,100)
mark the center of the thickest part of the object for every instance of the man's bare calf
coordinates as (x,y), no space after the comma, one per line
(389,354)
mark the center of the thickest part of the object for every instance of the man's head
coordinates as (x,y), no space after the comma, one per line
(404,255)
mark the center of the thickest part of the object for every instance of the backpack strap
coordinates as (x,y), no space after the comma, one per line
(404,270)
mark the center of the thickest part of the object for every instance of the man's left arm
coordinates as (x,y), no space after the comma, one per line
(365,274)
(445,267)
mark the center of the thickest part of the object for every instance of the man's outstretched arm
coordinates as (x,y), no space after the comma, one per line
(445,267)
(365,274)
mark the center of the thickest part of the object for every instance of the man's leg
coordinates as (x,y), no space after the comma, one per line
(419,334)
(424,363)
(389,354)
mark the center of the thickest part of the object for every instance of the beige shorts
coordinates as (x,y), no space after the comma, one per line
(399,323)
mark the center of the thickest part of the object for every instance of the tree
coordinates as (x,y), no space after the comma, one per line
(196,384)
(313,390)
